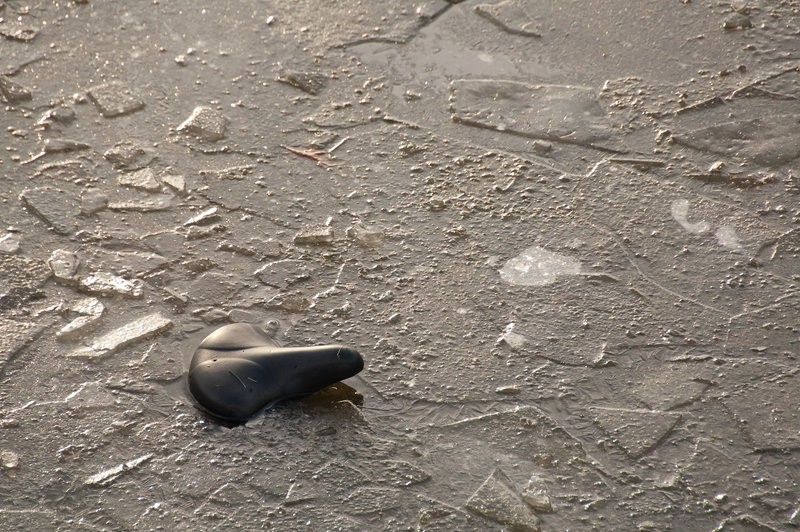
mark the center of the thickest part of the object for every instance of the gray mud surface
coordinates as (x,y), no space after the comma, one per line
(565,236)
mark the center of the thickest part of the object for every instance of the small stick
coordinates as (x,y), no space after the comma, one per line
(318,156)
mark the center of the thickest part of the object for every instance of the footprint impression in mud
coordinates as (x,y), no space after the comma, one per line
(726,234)
(238,370)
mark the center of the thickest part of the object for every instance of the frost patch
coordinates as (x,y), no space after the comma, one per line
(680,213)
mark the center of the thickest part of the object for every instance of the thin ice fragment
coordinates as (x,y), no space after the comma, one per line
(316,236)
(562,113)
(20,279)
(156,203)
(11,92)
(205,217)
(768,413)
(93,201)
(637,431)
(206,123)
(175,182)
(91,314)
(53,206)
(91,396)
(537,497)
(9,243)
(104,283)
(143,179)
(61,145)
(510,16)
(770,140)
(115,340)
(108,476)
(310,82)
(499,501)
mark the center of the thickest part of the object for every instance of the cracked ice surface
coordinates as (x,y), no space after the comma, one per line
(564,236)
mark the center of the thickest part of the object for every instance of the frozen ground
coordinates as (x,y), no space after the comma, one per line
(563,234)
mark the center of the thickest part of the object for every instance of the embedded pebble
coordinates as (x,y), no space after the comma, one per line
(64,265)
(541,147)
(737,21)
(115,99)
(238,370)
(9,460)
(108,284)
(110,343)
(206,123)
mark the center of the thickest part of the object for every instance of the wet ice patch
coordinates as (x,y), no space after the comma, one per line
(680,213)
(538,267)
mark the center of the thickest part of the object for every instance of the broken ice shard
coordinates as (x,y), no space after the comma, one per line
(205,123)
(238,370)
(509,15)
(561,113)
(769,140)
(115,340)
